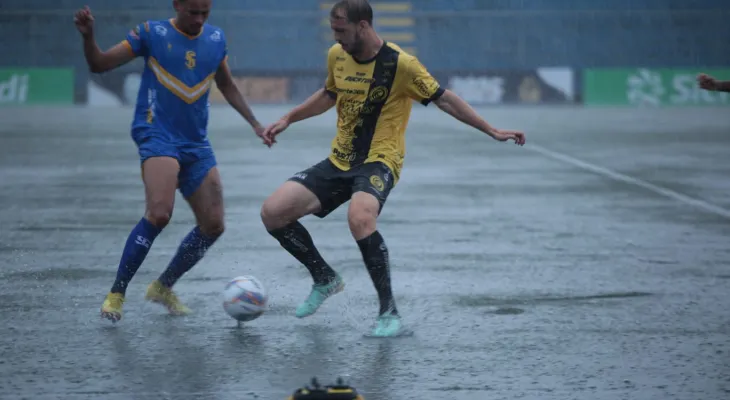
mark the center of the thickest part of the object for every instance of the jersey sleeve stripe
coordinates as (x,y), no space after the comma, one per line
(439,92)
(331,93)
(126,44)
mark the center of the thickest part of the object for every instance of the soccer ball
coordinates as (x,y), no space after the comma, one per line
(245,298)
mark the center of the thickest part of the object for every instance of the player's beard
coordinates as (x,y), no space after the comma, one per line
(357,45)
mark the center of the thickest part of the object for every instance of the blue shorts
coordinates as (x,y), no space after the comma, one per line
(195,159)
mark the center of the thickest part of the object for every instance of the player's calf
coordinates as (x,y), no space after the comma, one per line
(160,178)
(362,216)
(280,214)
(207,205)
(296,240)
(212,224)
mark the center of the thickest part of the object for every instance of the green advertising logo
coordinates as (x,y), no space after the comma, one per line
(36,86)
(651,87)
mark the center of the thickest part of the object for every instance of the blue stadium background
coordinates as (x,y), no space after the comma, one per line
(291,35)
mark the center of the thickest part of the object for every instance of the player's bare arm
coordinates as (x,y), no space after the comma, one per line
(233,96)
(316,104)
(98,60)
(709,83)
(455,106)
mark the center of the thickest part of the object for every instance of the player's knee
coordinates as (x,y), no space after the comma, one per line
(213,226)
(362,221)
(272,215)
(159,214)
(277,212)
(289,203)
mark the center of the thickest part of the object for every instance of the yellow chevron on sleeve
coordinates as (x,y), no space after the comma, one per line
(126,44)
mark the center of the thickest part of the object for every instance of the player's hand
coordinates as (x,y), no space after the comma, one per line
(259,130)
(707,82)
(84,21)
(504,135)
(274,129)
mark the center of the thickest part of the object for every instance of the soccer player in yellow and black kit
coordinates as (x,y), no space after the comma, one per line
(373,84)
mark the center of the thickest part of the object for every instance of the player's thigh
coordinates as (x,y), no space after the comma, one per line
(315,190)
(288,203)
(371,188)
(201,186)
(160,169)
(159,174)
(195,165)
(207,204)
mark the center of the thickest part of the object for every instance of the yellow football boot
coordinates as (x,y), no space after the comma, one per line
(112,307)
(157,293)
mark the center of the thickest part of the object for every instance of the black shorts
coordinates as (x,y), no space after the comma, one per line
(334,187)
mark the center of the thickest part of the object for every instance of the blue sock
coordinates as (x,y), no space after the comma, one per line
(191,250)
(135,250)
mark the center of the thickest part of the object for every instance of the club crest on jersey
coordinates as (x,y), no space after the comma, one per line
(190,59)
(161,30)
(216,36)
(378,94)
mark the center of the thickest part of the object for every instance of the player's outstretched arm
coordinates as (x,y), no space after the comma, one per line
(233,96)
(709,83)
(455,106)
(318,103)
(99,61)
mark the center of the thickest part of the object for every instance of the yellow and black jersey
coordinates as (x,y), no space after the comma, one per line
(374,100)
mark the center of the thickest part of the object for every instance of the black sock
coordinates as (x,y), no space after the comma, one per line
(375,254)
(297,241)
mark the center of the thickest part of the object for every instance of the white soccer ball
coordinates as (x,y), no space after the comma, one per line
(245,298)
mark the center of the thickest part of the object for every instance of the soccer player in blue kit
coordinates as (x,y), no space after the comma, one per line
(183,55)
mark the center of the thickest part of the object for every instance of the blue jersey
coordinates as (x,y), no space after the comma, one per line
(178,74)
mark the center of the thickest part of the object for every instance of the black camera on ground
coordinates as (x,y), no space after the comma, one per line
(339,391)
